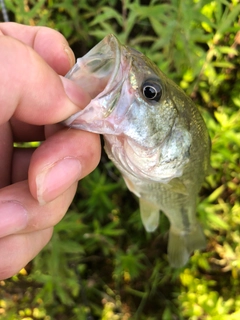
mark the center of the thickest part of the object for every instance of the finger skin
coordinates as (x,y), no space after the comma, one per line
(25,132)
(19,249)
(39,217)
(74,143)
(20,163)
(48,43)
(33,95)
(16,250)
(39,96)
(6,142)
(67,143)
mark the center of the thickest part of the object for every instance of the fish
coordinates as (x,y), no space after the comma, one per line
(153,133)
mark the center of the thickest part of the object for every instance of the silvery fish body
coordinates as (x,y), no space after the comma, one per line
(153,133)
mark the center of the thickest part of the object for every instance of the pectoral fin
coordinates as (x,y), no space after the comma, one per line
(131,186)
(149,214)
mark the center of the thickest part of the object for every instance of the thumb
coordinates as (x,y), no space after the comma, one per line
(31,90)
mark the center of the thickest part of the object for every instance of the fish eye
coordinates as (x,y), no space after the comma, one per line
(152,90)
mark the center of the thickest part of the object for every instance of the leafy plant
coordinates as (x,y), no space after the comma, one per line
(101,264)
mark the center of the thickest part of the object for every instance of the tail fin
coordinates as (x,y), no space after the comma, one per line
(196,239)
(181,245)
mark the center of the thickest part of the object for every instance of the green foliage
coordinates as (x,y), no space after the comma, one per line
(100,263)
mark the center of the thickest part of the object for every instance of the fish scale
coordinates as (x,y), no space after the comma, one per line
(153,133)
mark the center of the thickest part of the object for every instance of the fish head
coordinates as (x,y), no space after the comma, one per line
(133,107)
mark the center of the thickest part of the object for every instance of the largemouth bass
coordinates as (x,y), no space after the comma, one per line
(153,133)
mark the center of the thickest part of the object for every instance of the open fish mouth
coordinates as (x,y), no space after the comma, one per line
(100,73)
(100,64)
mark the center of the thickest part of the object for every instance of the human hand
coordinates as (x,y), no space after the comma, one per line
(37,186)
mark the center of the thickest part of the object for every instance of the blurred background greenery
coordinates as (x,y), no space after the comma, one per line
(100,263)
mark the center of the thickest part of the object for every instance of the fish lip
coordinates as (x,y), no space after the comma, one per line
(115,47)
(119,74)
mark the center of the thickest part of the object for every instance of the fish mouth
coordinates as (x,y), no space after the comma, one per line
(100,73)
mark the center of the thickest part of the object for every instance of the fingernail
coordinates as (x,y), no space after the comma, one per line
(13,217)
(70,54)
(57,178)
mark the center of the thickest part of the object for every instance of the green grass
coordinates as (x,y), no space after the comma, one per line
(101,264)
